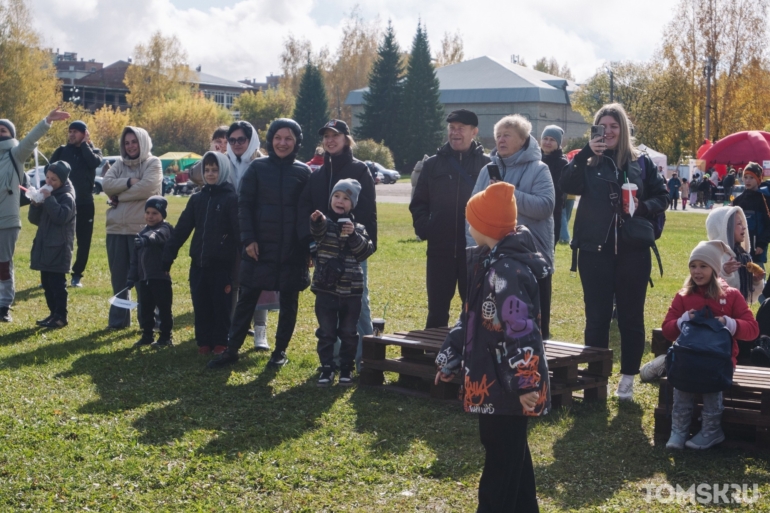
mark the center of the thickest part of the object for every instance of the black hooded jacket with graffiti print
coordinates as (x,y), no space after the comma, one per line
(498,338)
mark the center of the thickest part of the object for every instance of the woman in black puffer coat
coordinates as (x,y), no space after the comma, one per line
(273,258)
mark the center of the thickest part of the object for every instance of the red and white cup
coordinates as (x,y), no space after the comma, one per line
(629,191)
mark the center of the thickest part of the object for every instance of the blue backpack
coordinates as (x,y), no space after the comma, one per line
(700,361)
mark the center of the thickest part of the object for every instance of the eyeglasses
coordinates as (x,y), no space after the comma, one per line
(240,140)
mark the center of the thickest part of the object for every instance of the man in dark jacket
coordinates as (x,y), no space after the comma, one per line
(83,159)
(553,157)
(728,183)
(273,258)
(438,212)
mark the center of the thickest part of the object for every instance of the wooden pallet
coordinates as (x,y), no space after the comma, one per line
(746,418)
(573,368)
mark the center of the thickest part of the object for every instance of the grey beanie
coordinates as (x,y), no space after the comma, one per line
(10,126)
(349,187)
(61,169)
(553,131)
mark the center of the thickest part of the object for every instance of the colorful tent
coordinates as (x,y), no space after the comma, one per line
(178,160)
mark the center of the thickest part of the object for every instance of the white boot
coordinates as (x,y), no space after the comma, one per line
(260,338)
(625,391)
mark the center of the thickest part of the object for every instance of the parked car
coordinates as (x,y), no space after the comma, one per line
(31,176)
(737,191)
(388,175)
(100,172)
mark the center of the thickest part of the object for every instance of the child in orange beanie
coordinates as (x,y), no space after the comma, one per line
(498,348)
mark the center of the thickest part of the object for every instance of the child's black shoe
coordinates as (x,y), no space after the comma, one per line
(326,378)
(43,322)
(346,376)
(229,357)
(144,341)
(162,342)
(278,359)
(55,322)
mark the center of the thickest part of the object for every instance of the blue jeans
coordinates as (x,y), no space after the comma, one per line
(364,326)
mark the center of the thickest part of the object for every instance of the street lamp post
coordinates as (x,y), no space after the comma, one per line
(709,64)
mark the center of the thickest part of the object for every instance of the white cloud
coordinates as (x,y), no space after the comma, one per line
(245,39)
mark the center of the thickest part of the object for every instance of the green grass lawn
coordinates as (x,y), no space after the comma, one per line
(90,423)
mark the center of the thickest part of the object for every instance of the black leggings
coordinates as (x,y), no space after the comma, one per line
(55,289)
(623,277)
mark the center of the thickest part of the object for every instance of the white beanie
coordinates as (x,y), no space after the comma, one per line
(710,252)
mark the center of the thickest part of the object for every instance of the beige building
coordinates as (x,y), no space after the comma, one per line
(493,89)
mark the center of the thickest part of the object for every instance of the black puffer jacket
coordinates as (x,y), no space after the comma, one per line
(439,200)
(213,214)
(319,189)
(55,237)
(556,162)
(600,196)
(83,161)
(268,201)
(147,261)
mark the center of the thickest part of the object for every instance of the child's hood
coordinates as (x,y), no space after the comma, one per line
(520,246)
(719,226)
(224,166)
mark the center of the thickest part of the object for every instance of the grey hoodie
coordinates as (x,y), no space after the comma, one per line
(535,194)
(127,218)
(10,176)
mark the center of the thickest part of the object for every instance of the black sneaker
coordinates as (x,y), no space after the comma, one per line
(163,342)
(144,341)
(229,357)
(5,314)
(43,322)
(346,376)
(55,322)
(326,378)
(75,281)
(278,359)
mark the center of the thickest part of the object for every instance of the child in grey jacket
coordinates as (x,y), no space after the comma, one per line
(55,237)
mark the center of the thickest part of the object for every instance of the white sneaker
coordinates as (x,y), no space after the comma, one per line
(653,369)
(625,391)
(260,338)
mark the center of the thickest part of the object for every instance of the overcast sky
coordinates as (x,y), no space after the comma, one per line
(239,39)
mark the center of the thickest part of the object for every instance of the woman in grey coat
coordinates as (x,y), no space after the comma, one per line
(517,155)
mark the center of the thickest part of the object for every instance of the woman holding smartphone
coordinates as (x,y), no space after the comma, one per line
(609,263)
(516,159)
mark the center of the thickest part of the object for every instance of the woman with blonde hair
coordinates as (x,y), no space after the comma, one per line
(613,261)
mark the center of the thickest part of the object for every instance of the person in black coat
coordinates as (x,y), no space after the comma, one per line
(438,212)
(610,265)
(83,159)
(553,157)
(339,164)
(213,214)
(273,258)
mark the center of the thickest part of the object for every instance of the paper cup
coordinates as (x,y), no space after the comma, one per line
(629,191)
(378,326)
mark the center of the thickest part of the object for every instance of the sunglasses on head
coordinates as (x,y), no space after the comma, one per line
(240,140)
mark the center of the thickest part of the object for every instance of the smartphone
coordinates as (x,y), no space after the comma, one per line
(343,220)
(494,172)
(597,131)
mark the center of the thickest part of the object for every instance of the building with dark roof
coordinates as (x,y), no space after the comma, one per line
(493,89)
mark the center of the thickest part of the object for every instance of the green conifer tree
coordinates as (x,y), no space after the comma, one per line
(312,108)
(382,102)
(421,112)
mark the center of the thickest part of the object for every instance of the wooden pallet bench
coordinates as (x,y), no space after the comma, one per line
(572,368)
(746,417)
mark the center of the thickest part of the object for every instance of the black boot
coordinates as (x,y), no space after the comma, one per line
(229,357)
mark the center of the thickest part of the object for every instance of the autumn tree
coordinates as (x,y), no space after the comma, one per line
(262,107)
(312,108)
(184,123)
(379,120)
(295,56)
(551,66)
(29,88)
(451,51)
(422,112)
(107,127)
(159,73)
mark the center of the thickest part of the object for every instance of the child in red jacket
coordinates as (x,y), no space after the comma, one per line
(704,288)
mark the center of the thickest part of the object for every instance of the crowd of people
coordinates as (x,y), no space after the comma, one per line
(263,221)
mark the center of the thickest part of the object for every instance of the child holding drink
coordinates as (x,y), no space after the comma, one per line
(338,280)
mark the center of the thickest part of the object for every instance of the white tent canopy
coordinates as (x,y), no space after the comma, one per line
(657,157)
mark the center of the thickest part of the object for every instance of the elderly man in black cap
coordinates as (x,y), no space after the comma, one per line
(83,159)
(438,211)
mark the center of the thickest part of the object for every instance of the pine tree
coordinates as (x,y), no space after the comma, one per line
(382,102)
(312,108)
(422,113)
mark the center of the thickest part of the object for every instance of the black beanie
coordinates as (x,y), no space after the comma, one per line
(78,125)
(61,169)
(159,203)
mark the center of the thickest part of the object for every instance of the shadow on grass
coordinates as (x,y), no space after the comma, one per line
(26,294)
(59,350)
(398,422)
(246,417)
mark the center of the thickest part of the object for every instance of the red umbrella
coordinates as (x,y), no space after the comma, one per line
(739,149)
